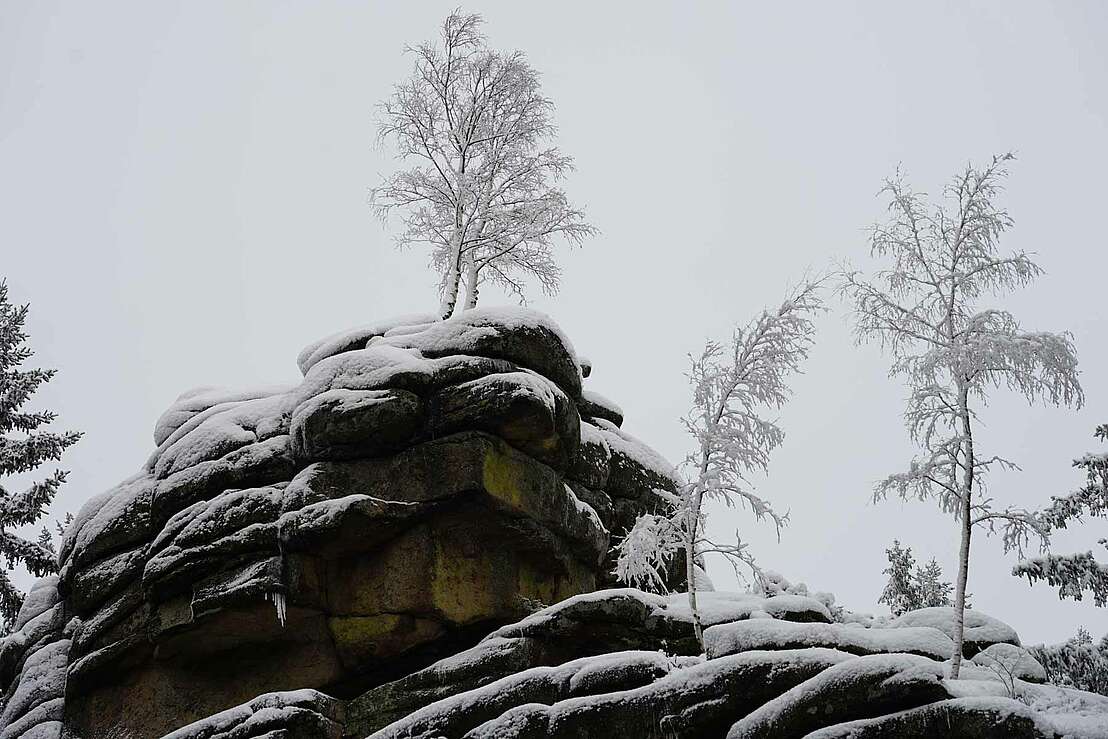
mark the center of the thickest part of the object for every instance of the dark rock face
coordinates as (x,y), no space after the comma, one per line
(413,492)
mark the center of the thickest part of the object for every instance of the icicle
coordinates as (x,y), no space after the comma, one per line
(278,600)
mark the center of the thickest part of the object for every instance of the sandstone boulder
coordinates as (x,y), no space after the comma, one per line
(413,492)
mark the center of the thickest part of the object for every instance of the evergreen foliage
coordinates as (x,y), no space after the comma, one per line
(911,586)
(1076,574)
(1076,662)
(24,447)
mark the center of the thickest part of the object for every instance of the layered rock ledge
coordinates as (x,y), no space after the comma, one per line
(426,482)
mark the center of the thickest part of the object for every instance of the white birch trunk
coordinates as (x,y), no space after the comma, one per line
(471,285)
(454,274)
(964,549)
(690,567)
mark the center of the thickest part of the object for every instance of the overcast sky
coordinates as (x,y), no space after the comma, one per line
(183,202)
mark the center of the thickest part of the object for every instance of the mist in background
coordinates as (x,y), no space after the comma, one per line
(183,200)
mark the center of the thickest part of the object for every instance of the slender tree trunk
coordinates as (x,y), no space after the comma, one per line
(690,567)
(454,275)
(471,285)
(964,550)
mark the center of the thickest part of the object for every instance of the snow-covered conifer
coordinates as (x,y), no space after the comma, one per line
(933,590)
(911,586)
(481,192)
(1078,662)
(24,447)
(1076,574)
(901,593)
(733,385)
(929,308)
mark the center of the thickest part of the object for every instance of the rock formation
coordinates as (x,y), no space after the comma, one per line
(414,541)
(425,483)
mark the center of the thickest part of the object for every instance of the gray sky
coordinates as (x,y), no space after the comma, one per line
(183,200)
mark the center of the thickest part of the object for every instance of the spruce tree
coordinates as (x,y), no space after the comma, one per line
(901,592)
(910,586)
(933,591)
(1076,575)
(1076,663)
(24,447)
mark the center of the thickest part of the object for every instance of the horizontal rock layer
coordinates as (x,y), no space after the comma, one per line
(424,483)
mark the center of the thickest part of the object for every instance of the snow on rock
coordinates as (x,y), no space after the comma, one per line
(355,338)
(41,681)
(585,625)
(442,457)
(1072,713)
(41,722)
(218,431)
(594,459)
(696,701)
(109,521)
(1012,661)
(856,688)
(42,596)
(202,399)
(966,718)
(981,630)
(724,606)
(742,636)
(306,714)
(595,405)
(523,336)
(34,632)
(634,465)
(459,714)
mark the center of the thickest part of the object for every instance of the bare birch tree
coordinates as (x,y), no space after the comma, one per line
(926,310)
(733,385)
(482,190)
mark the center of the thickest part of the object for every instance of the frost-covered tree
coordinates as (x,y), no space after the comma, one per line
(482,189)
(24,447)
(1076,663)
(733,385)
(933,590)
(900,593)
(1076,574)
(910,586)
(929,309)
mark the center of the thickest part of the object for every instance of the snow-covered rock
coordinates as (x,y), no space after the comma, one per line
(306,714)
(426,480)
(595,405)
(696,701)
(1012,661)
(966,718)
(981,630)
(457,715)
(744,636)
(855,688)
